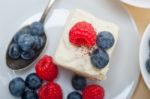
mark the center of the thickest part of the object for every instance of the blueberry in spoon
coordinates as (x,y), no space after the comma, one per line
(28,43)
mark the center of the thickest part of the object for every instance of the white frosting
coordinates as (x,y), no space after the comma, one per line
(77,59)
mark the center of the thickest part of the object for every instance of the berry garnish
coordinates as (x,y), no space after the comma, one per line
(28,54)
(14,51)
(74,95)
(50,91)
(25,42)
(99,58)
(82,34)
(78,82)
(17,87)
(148,65)
(105,40)
(93,92)
(43,92)
(37,28)
(29,94)
(46,69)
(33,81)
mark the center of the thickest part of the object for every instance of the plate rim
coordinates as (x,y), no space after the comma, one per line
(135,4)
(142,66)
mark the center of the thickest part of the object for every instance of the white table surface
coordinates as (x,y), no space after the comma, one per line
(10,10)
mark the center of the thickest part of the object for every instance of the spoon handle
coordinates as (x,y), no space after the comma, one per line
(46,11)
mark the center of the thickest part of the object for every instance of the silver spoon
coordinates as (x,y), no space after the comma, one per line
(21,63)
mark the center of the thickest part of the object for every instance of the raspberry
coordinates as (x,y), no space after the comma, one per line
(50,91)
(93,92)
(46,69)
(82,34)
(42,92)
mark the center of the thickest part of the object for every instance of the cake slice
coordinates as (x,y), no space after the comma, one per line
(77,55)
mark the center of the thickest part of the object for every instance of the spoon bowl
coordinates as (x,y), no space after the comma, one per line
(20,63)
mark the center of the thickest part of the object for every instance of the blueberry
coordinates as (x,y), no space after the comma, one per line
(25,42)
(33,81)
(29,94)
(24,30)
(28,54)
(78,82)
(14,51)
(148,65)
(38,42)
(37,28)
(74,95)
(105,40)
(17,87)
(99,58)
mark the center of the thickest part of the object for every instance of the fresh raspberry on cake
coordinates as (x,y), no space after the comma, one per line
(83,34)
(50,91)
(46,69)
(93,92)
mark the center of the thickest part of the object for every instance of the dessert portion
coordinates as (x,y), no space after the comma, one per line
(86,45)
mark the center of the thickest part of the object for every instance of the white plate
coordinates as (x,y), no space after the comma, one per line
(124,70)
(138,3)
(144,55)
